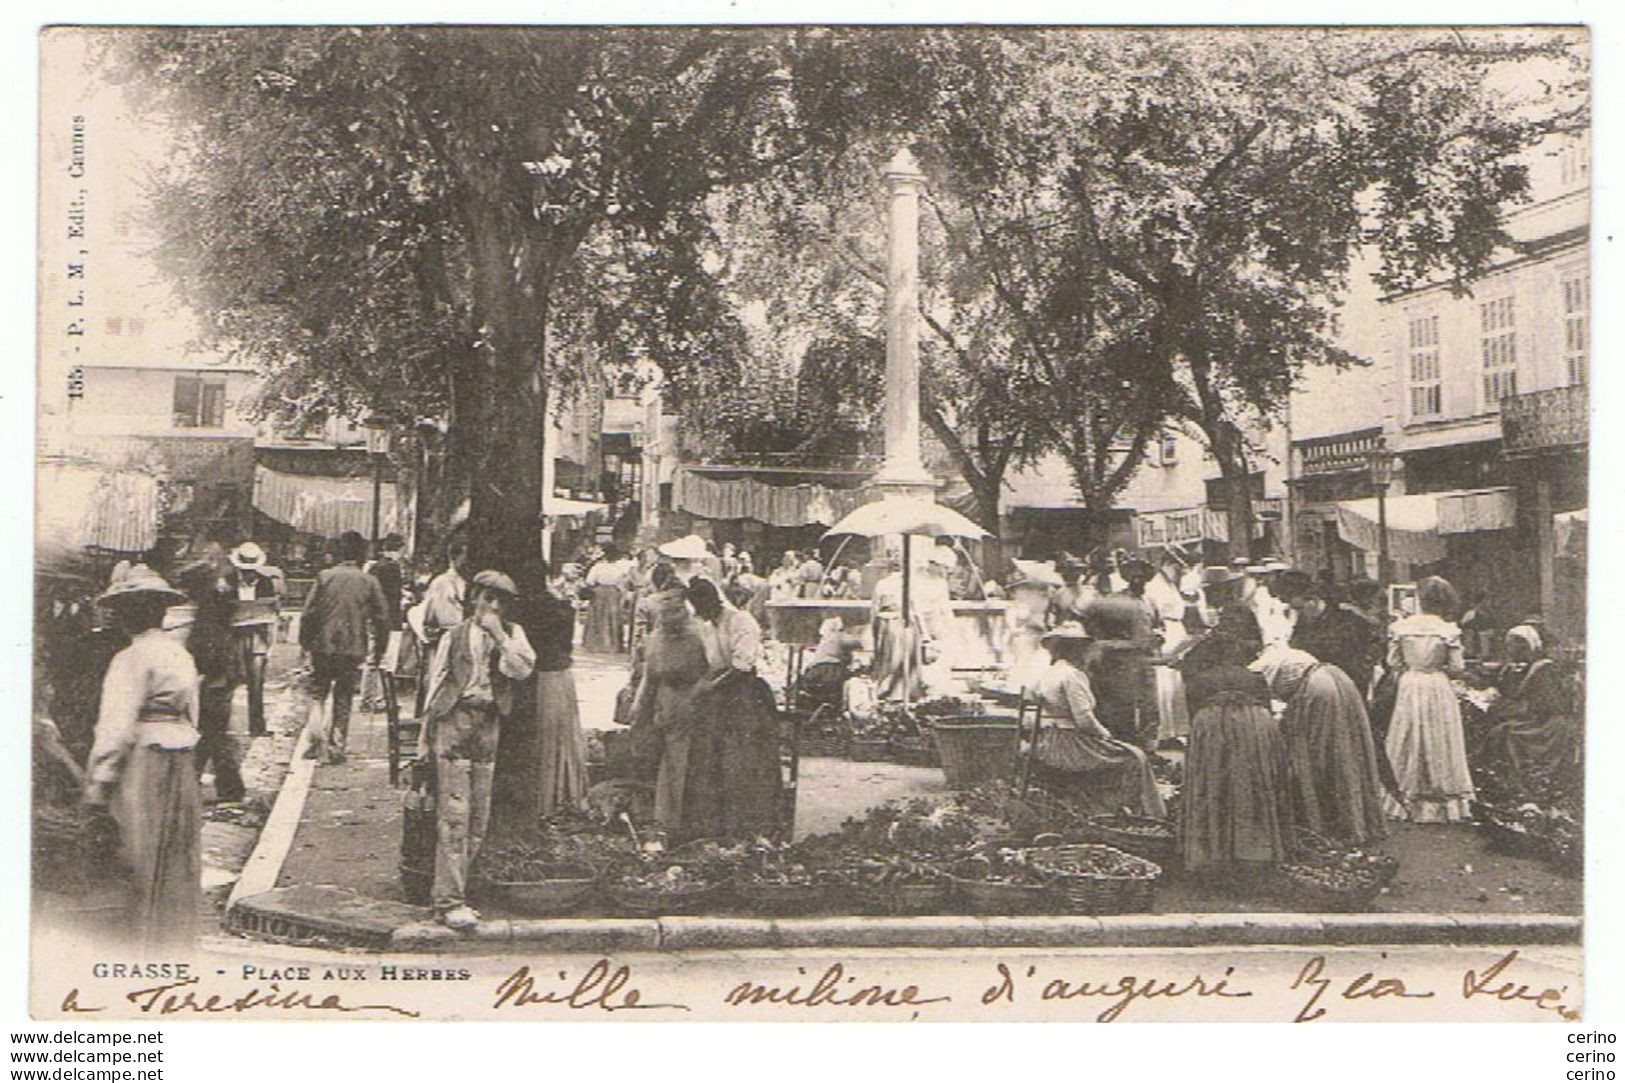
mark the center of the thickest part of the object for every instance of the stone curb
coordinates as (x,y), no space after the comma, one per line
(581,935)
(264,865)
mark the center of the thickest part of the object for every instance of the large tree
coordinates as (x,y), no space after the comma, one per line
(397,219)
(1219,185)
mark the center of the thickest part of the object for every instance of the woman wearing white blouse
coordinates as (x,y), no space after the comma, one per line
(141,764)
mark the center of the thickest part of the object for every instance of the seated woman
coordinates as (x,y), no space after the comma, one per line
(1536,725)
(823,682)
(1238,814)
(1331,756)
(1075,756)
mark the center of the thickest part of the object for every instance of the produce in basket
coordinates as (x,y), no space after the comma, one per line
(949,707)
(1091,860)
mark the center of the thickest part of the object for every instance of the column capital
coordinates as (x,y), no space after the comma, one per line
(902,169)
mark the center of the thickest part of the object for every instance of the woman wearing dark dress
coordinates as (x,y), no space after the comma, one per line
(563,749)
(1237,815)
(1536,724)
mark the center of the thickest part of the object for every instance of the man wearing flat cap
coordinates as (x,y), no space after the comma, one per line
(471,690)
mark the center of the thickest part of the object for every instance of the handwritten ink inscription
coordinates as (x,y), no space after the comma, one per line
(1263,987)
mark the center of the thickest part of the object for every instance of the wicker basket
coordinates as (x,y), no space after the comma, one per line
(829,745)
(867,749)
(767,897)
(900,899)
(558,894)
(1156,840)
(993,897)
(647,903)
(915,752)
(976,748)
(1037,813)
(1296,884)
(1129,888)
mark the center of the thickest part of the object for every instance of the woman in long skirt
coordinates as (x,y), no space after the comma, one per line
(1331,757)
(735,788)
(605,595)
(563,753)
(1075,756)
(1238,815)
(141,765)
(1426,743)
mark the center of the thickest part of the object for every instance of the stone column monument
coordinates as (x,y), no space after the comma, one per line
(903,472)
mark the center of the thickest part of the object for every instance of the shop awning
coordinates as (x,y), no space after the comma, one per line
(1569,533)
(83,506)
(1418,523)
(325,506)
(775,505)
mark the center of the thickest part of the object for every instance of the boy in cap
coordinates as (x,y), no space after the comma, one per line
(471,690)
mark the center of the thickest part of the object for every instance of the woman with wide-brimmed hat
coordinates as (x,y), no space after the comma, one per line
(1074,755)
(141,765)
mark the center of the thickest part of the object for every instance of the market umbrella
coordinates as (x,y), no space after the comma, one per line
(909,516)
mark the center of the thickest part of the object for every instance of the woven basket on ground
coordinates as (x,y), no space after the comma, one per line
(768,897)
(1092,878)
(867,749)
(1142,836)
(561,892)
(998,897)
(976,748)
(651,903)
(900,899)
(1305,889)
(915,752)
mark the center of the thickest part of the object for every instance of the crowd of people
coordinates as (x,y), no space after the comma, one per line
(1296,701)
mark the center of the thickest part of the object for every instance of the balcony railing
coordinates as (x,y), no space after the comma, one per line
(1545,420)
(1336,454)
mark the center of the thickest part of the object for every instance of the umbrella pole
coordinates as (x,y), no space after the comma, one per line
(910,657)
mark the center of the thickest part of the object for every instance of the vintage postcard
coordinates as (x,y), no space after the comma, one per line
(811,523)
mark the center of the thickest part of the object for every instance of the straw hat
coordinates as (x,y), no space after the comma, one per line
(1217,575)
(691,547)
(248,557)
(1034,573)
(140,579)
(1128,564)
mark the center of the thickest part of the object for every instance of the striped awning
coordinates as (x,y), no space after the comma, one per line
(326,506)
(84,506)
(1418,523)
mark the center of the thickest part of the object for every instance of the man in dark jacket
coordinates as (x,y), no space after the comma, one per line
(344,602)
(1330,632)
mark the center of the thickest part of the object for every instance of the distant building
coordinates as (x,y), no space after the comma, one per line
(1481,401)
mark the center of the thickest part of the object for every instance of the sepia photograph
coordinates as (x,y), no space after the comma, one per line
(811,523)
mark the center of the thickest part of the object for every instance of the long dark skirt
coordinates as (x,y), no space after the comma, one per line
(563,745)
(1237,803)
(1102,774)
(733,786)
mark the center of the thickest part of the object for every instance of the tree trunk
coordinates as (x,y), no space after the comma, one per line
(499,429)
(1233,467)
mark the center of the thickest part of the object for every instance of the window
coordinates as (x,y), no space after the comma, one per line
(1574,163)
(199,403)
(1168,449)
(1576,293)
(1426,389)
(1498,347)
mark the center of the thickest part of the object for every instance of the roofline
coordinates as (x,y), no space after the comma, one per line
(168,368)
(1539,249)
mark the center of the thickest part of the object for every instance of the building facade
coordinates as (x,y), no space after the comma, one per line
(1476,401)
